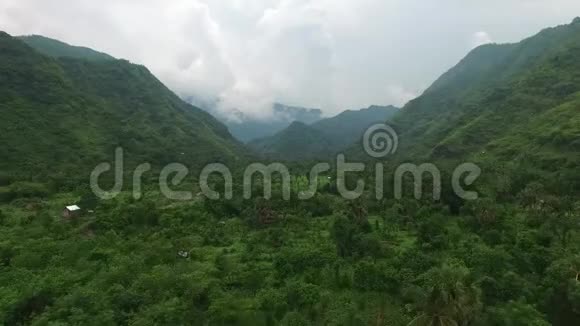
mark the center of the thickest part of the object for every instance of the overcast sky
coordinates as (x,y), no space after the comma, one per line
(330,54)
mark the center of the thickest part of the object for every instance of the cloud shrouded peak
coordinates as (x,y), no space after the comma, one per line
(245,55)
(481,38)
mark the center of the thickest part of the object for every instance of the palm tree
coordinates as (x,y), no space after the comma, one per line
(452,298)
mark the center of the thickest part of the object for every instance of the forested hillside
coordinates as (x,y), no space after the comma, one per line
(513,106)
(349,126)
(297,142)
(63,116)
(510,257)
(323,138)
(58,49)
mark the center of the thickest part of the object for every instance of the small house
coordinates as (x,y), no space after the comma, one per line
(71,211)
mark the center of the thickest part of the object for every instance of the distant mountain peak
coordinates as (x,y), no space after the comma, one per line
(323,138)
(247,128)
(297,124)
(381,107)
(296,113)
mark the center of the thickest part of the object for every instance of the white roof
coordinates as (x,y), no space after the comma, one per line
(73,208)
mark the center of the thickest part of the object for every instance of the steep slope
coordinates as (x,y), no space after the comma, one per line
(349,126)
(325,137)
(297,142)
(514,104)
(58,49)
(61,117)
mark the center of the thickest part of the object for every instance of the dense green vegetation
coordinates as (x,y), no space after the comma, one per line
(510,257)
(511,106)
(297,142)
(61,117)
(349,126)
(322,261)
(323,138)
(58,49)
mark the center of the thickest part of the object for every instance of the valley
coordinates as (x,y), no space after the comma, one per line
(509,257)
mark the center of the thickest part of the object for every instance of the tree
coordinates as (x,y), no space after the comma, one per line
(88,201)
(515,313)
(451,297)
(560,289)
(343,232)
(294,319)
(562,216)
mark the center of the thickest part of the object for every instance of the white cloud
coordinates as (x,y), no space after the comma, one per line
(480,38)
(332,54)
(399,95)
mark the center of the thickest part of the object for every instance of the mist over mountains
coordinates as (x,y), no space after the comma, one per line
(323,138)
(365,246)
(65,109)
(246,127)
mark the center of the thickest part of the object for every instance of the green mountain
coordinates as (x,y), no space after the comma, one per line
(63,116)
(297,142)
(349,126)
(511,257)
(513,104)
(323,138)
(58,49)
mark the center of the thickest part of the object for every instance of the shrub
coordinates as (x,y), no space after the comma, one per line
(29,189)
(5,179)
(6,195)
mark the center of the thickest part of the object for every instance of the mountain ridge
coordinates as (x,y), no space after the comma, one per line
(58,49)
(492,107)
(247,128)
(323,138)
(63,116)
